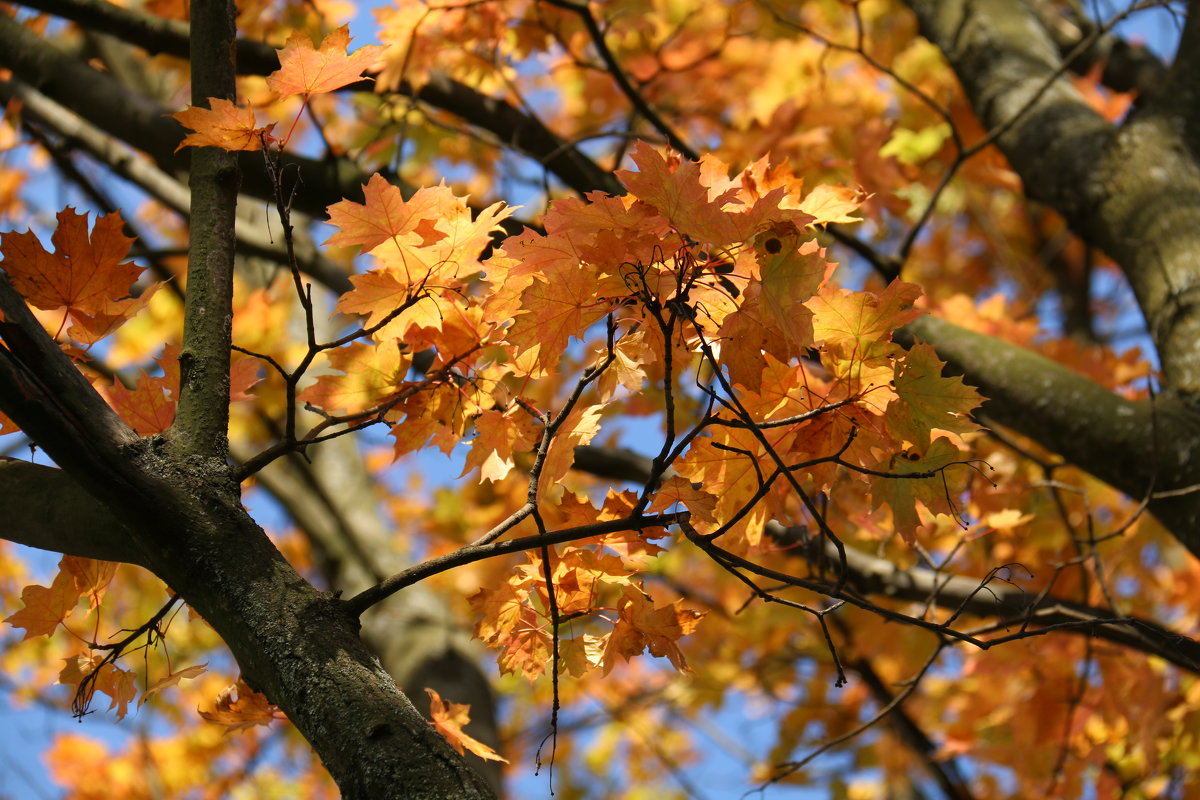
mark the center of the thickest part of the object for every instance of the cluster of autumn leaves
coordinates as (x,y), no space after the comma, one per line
(712,286)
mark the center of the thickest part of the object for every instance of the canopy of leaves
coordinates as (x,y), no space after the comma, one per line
(646,344)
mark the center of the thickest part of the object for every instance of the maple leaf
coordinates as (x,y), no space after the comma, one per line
(581,654)
(84,274)
(580,427)
(304,69)
(901,494)
(855,321)
(384,214)
(224,124)
(449,719)
(856,329)
(79,666)
(927,400)
(367,375)
(380,292)
(672,186)
(498,435)
(833,204)
(640,626)
(149,407)
(733,463)
(578,575)
(120,685)
(91,577)
(527,651)
(500,609)
(238,707)
(678,490)
(91,328)
(631,355)
(556,307)
(791,270)
(44,608)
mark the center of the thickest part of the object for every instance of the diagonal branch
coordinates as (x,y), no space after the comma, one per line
(871,575)
(1139,447)
(618,74)
(45,508)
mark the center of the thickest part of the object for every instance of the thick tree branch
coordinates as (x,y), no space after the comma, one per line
(1125,67)
(45,508)
(871,575)
(1143,448)
(48,398)
(187,524)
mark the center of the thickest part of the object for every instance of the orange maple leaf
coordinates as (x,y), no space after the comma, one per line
(91,577)
(580,427)
(679,490)
(238,708)
(304,69)
(833,204)
(499,435)
(223,124)
(556,307)
(91,328)
(44,608)
(120,685)
(85,275)
(641,625)
(149,407)
(384,214)
(368,374)
(449,719)
(672,186)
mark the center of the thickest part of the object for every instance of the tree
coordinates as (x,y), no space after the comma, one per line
(716,388)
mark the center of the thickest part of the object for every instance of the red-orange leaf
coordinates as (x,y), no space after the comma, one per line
(641,625)
(45,607)
(449,719)
(672,186)
(238,707)
(384,214)
(84,274)
(224,125)
(304,69)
